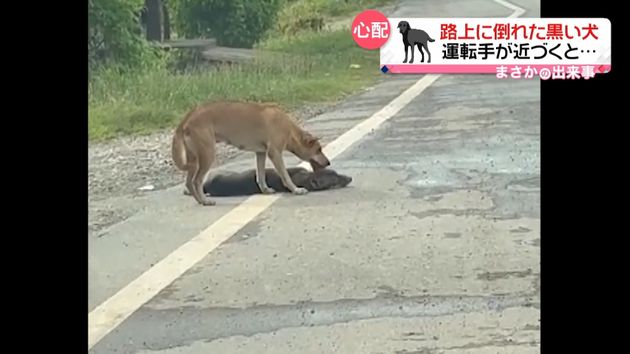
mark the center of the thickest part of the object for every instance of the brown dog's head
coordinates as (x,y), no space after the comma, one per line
(310,150)
(403,26)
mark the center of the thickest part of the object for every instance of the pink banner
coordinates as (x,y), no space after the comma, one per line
(488,69)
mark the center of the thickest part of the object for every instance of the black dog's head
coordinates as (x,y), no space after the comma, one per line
(403,26)
(326,179)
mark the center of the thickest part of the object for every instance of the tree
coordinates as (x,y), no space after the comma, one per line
(153,19)
(114,32)
(234,23)
(166,21)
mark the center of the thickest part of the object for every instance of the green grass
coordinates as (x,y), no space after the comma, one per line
(340,8)
(309,68)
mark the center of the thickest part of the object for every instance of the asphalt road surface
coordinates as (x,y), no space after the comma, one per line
(433,248)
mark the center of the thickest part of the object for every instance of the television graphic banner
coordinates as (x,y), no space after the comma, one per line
(549,48)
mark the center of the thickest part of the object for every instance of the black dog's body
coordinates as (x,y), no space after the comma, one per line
(244,183)
(414,37)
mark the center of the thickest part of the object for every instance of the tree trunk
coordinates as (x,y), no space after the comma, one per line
(154,19)
(166,19)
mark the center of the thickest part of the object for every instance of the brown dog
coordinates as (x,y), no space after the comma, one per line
(261,128)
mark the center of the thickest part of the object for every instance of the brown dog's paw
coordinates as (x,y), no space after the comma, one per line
(300,191)
(268,190)
(208,202)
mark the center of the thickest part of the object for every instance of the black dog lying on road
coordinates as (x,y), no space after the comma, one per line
(244,183)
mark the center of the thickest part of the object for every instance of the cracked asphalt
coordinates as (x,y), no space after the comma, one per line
(433,248)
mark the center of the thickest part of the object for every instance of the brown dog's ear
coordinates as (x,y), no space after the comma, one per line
(310,140)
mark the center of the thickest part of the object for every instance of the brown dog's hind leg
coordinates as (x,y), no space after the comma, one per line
(203,143)
(261,178)
(191,169)
(190,174)
(204,167)
(278,163)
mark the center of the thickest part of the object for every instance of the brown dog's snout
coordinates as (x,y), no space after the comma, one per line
(323,160)
(319,161)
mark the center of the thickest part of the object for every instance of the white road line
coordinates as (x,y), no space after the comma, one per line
(113,311)
(367,126)
(518,11)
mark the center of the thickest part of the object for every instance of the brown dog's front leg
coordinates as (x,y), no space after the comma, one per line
(261,178)
(278,163)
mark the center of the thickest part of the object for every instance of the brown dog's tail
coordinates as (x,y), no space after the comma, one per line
(178,149)
(431,40)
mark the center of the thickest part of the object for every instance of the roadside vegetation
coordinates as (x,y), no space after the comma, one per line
(135,88)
